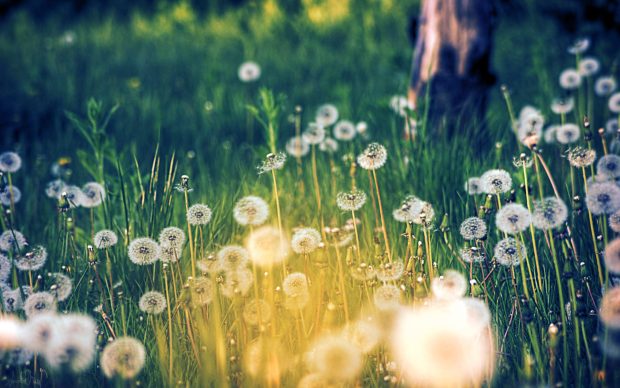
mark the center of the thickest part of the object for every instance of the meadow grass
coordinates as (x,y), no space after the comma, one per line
(168,103)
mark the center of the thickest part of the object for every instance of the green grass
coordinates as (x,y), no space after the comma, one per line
(181,110)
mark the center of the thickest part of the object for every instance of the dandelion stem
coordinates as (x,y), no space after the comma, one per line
(535,249)
(383,228)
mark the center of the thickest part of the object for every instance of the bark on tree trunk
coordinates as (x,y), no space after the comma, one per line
(452,56)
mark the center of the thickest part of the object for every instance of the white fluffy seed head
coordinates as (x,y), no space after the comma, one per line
(199,214)
(123,357)
(251,210)
(451,285)
(143,251)
(373,157)
(152,302)
(105,239)
(39,303)
(513,218)
(509,252)
(496,181)
(305,240)
(267,246)
(473,228)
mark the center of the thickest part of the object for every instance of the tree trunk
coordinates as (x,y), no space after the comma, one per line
(452,56)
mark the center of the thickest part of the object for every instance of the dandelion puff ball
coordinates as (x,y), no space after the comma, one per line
(73,344)
(201,291)
(10,162)
(437,347)
(473,228)
(605,85)
(238,282)
(581,157)
(152,302)
(351,200)
(472,255)
(5,268)
(329,145)
(249,71)
(389,272)
(603,198)
(509,252)
(570,79)
(10,194)
(567,133)
(12,300)
(474,186)
(314,134)
(105,239)
(609,310)
(373,157)
(41,328)
(562,106)
(257,312)
(297,147)
(295,283)
(614,222)
(93,194)
(609,165)
(199,214)
(74,196)
(589,66)
(267,246)
(513,218)
(232,257)
(335,358)
(60,286)
(344,131)
(305,240)
(143,251)
(273,161)
(54,188)
(614,103)
(326,115)
(209,264)
(124,357)
(452,285)
(39,303)
(170,254)
(12,240)
(172,237)
(496,181)
(549,213)
(251,210)
(387,297)
(612,256)
(364,334)
(33,260)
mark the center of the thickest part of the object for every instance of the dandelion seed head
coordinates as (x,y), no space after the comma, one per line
(152,302)
(201,291)
(612,127)
(10,162)
(513,218)
(438,347)
(344,131)
(72,344)
(233,257)
(614,103)
(12,241)
(272,162)
(609,165)
(452,285)
(588,66)
(474,186)
(549,213)
(12,300)
(550,134)
(612,256)
(387,297)
(297,147)
(335,358)
(93,195)
(391,271)
(257,312)
(568,133)
(172,237)
(363,272)
(314,134)
(326,115)
(570,79)
(373,157)
(55,188)
(305,241)
(561,106)
(609,310)
(605,85)
(509,252)
(329,145)
(125,357)
(251,210)
(472,255)
(614,221)
(9,195)
(5,268)
(143,251)
(425,216)
(351,200)
(267,246)
(496,181)
(294,284)
(530,126)
(209,264)
(400,105)
(603,198)
(74,196)
(249,71)
(60,287)
(581,157)
(579,46)
(364,334)
(238,282)
(105,239)
(39,303)
(473,228)
(199,214)
(32,260)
